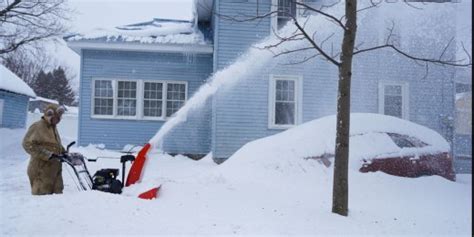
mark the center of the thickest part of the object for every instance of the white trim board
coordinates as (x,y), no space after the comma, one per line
(177,48)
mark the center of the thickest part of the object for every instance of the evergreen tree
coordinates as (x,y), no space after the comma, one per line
(61,91)
(41,84)
(54,85)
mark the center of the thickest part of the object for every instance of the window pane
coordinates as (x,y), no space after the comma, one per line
(103,106)
(152,108)
(176,94)
(172,107)
(103,97)
(285,90)
(393,106)
(284,113)
(126,107)
(153,103)
(286,9)
(103,88)
(393,90)
(127,102)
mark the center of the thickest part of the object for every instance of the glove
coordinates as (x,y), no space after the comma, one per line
(56,156)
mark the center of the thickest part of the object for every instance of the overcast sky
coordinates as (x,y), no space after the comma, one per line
(91,14)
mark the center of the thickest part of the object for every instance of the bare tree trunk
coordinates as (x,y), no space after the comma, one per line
(340,185)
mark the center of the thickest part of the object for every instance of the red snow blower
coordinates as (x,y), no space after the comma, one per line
(105,180)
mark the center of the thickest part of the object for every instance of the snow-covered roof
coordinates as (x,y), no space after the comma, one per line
(11,82)
(39,98)
(156,31)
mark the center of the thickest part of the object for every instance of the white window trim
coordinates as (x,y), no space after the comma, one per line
(115,109)
(93,115)
(139,97)
(298,100)
(274,17)
(405,97)
(163,98)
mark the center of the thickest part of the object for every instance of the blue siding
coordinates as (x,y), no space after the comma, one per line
(231,125)
(240,114)
(193,136)
(14,109)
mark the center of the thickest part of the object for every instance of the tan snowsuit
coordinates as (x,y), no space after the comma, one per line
(41,141)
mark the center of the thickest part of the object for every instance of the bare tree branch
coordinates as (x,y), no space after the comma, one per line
(314,44)
(331,17)
(420,59)
(26,22)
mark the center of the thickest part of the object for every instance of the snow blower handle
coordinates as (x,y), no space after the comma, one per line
(70,145)
(123,160)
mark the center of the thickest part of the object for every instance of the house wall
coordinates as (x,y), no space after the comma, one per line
(14,109)
(191,137)
(233,126)
(240,114)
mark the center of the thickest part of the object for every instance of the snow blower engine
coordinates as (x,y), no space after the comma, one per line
(104,180)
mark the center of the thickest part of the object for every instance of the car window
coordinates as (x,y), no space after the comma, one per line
(403,141)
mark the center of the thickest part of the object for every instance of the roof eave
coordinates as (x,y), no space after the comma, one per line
(77,46)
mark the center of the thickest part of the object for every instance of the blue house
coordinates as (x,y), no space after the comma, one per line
(135,77)
(14,97)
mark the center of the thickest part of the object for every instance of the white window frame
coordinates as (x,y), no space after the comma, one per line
(166,94)
(140,97)
(162,117)
(93,115)
(274,17)
(116,99)
(405,97)
(164,98)
(272,100)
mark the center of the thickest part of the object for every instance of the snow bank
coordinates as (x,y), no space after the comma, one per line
(198,198)
(11,82)
(289,150)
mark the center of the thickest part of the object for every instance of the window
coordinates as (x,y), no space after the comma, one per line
(286,10)
(103,97)
(175,97)
(137,99)
(284,101)
(153,99)
(393,99)
(127,98)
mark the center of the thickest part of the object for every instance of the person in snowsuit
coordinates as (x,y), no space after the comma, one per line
(43,143)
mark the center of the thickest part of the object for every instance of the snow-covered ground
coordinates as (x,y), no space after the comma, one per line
(288,197)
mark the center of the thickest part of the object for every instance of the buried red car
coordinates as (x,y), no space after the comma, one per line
(414,165)
(380,143)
